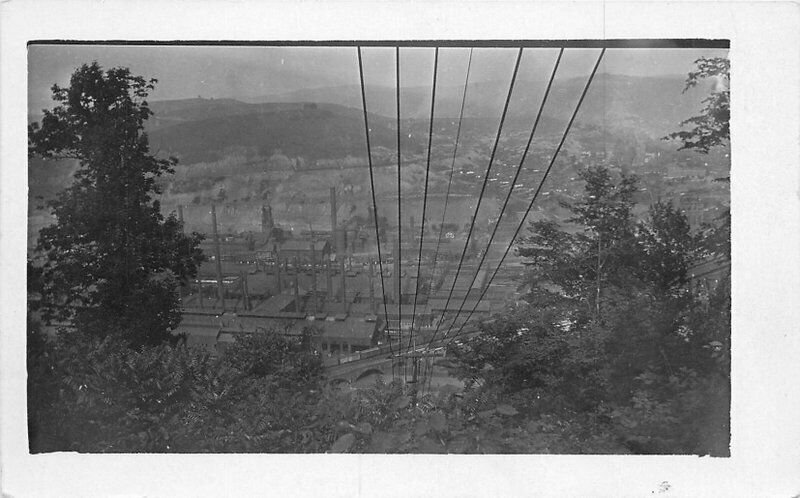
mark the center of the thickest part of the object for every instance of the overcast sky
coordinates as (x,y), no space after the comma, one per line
(253,72)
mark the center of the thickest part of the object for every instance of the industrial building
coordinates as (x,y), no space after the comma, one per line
(255,283)
(314,282)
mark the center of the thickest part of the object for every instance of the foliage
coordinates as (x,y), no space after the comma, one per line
(98,395)
(111,262)
(539,350)
(611,330)
(613,351)
(712,127)
(667,247)
(270,354)
(601,254)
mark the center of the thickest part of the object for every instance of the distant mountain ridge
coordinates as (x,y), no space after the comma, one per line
(328,122)
(655,103)
(201,130)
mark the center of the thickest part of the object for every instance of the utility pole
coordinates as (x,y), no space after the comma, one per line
(278,273)
(314,276)
(218,258)
(245,296)
(296,287)
(371,286)
(329,281)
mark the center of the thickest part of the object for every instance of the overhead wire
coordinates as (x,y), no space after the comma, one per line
(510,190)
(398,256)
(535,195)
(425,195)
(399,289)
(452,170)
(483,190)
(374,201)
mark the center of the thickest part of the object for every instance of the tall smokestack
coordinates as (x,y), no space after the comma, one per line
(344,286)
(328,281)
(264,220)
(217,257)
(180,214)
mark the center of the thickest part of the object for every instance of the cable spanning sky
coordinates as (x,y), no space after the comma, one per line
(262,73)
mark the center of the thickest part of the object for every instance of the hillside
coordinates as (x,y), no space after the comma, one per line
(205,130)
(651,104)
(232,151)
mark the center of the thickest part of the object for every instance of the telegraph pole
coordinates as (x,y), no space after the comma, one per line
(218,258)
(314,276)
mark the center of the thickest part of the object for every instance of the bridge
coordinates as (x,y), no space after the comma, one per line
(380,360)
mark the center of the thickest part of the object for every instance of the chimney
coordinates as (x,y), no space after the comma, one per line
(217,257)
(328,281)
(344,286)
(180,214)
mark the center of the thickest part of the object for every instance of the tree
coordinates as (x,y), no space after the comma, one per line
(288,360)
(582,264)
(667,247)
(112,261)
(712,127)
(651,367)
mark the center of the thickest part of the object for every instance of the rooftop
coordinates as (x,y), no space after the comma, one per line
(275,304)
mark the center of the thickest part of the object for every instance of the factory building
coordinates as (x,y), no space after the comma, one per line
(262,285)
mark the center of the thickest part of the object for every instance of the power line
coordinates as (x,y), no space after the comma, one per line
(398,256)
(452,169)
(511,190)
(483,189)
(399,289)
(425,195)
(535,195)
(374,202)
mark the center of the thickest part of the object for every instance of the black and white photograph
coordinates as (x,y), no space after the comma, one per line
(395,249)
(435,248)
